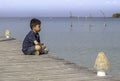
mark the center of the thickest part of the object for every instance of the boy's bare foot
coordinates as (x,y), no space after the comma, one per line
(37,52)
(43,46)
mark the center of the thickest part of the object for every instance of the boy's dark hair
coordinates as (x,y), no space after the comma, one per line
(34,22)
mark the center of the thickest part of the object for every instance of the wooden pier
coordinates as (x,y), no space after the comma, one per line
(14,66)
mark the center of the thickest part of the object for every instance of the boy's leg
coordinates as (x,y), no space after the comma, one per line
(31,51)
(38,49)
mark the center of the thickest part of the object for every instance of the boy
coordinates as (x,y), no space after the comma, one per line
(31,43)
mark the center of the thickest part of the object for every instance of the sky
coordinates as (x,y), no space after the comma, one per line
(58,8)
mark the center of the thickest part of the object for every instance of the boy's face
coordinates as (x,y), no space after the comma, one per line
(37,28)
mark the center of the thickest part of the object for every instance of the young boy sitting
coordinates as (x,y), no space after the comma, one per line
(31,44)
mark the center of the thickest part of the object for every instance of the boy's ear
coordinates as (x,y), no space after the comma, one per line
(33,27)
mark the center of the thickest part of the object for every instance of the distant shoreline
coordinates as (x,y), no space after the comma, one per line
(54,17)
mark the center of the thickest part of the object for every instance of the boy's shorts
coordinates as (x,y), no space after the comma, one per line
(31,51)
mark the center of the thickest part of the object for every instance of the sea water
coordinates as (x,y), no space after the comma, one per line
(79,43)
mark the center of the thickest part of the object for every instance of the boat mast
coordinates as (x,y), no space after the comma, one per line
(71,22)
(105,24)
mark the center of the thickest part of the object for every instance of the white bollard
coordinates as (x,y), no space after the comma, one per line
(7,34)
(101,64)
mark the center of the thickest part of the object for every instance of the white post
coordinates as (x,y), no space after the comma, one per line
(101,64)
(7,34)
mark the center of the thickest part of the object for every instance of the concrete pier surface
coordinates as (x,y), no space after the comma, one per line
(14,66)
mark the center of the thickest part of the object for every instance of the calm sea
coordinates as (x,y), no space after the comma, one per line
(80,43)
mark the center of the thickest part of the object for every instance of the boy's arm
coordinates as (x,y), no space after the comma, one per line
(36,42)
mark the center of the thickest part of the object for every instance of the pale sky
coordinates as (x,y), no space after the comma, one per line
(46,8)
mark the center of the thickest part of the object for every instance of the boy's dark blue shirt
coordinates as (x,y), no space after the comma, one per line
(29,40)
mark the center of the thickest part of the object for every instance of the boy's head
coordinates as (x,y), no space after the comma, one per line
(35,24)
